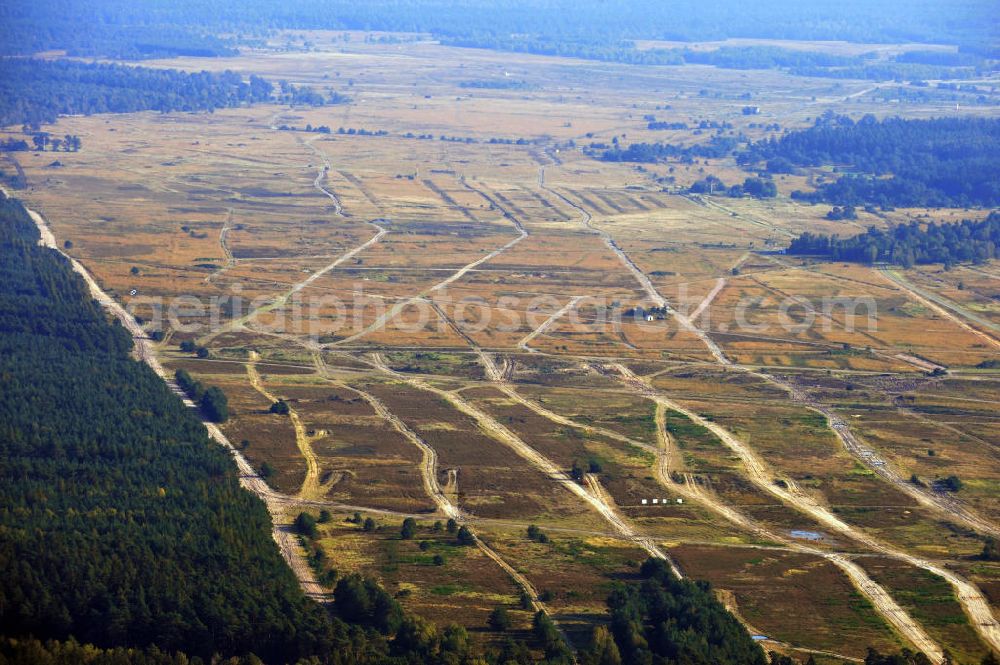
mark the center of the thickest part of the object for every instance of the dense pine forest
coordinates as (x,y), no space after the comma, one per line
(906,245)
(36,91)
(121,523)
(942,162)
(670,621)
(123,526)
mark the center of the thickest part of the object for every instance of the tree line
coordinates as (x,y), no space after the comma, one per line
(158,28)
(758,188)
(797,62)
(940,162)
(717,146)
(211,400)
(910,244)
(122,524)
(33,91)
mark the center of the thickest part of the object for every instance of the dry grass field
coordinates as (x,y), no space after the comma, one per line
(404,294)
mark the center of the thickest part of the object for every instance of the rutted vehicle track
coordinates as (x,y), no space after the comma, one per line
(973,602)
(545,325)
(495,430)
(429,475)
(399,307)
(895,615)
(647,285)
(883,603)
(880,599)
(227,226)
(954,313)
(948,506)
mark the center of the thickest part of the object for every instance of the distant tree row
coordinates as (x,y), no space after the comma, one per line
(41,141)
(795,61)
(910,244)
(758,188)
(942,162)
(717,146)
(599,30)
(33,92)
(304,95)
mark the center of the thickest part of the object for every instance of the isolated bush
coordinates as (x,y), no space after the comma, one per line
(499,619)
(465,536)
(215,405)
(305,524)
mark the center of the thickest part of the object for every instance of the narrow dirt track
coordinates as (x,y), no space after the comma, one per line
(338,209)
(227,226)
(720,283)
(947,506)
(880,599)
(545,325)
(283,299)
(883,603)
(642,278)
(399,307)
(311,488)
(887,607)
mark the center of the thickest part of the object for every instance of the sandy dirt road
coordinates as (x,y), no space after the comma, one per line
(284,297)
(429,475)
(525,341)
